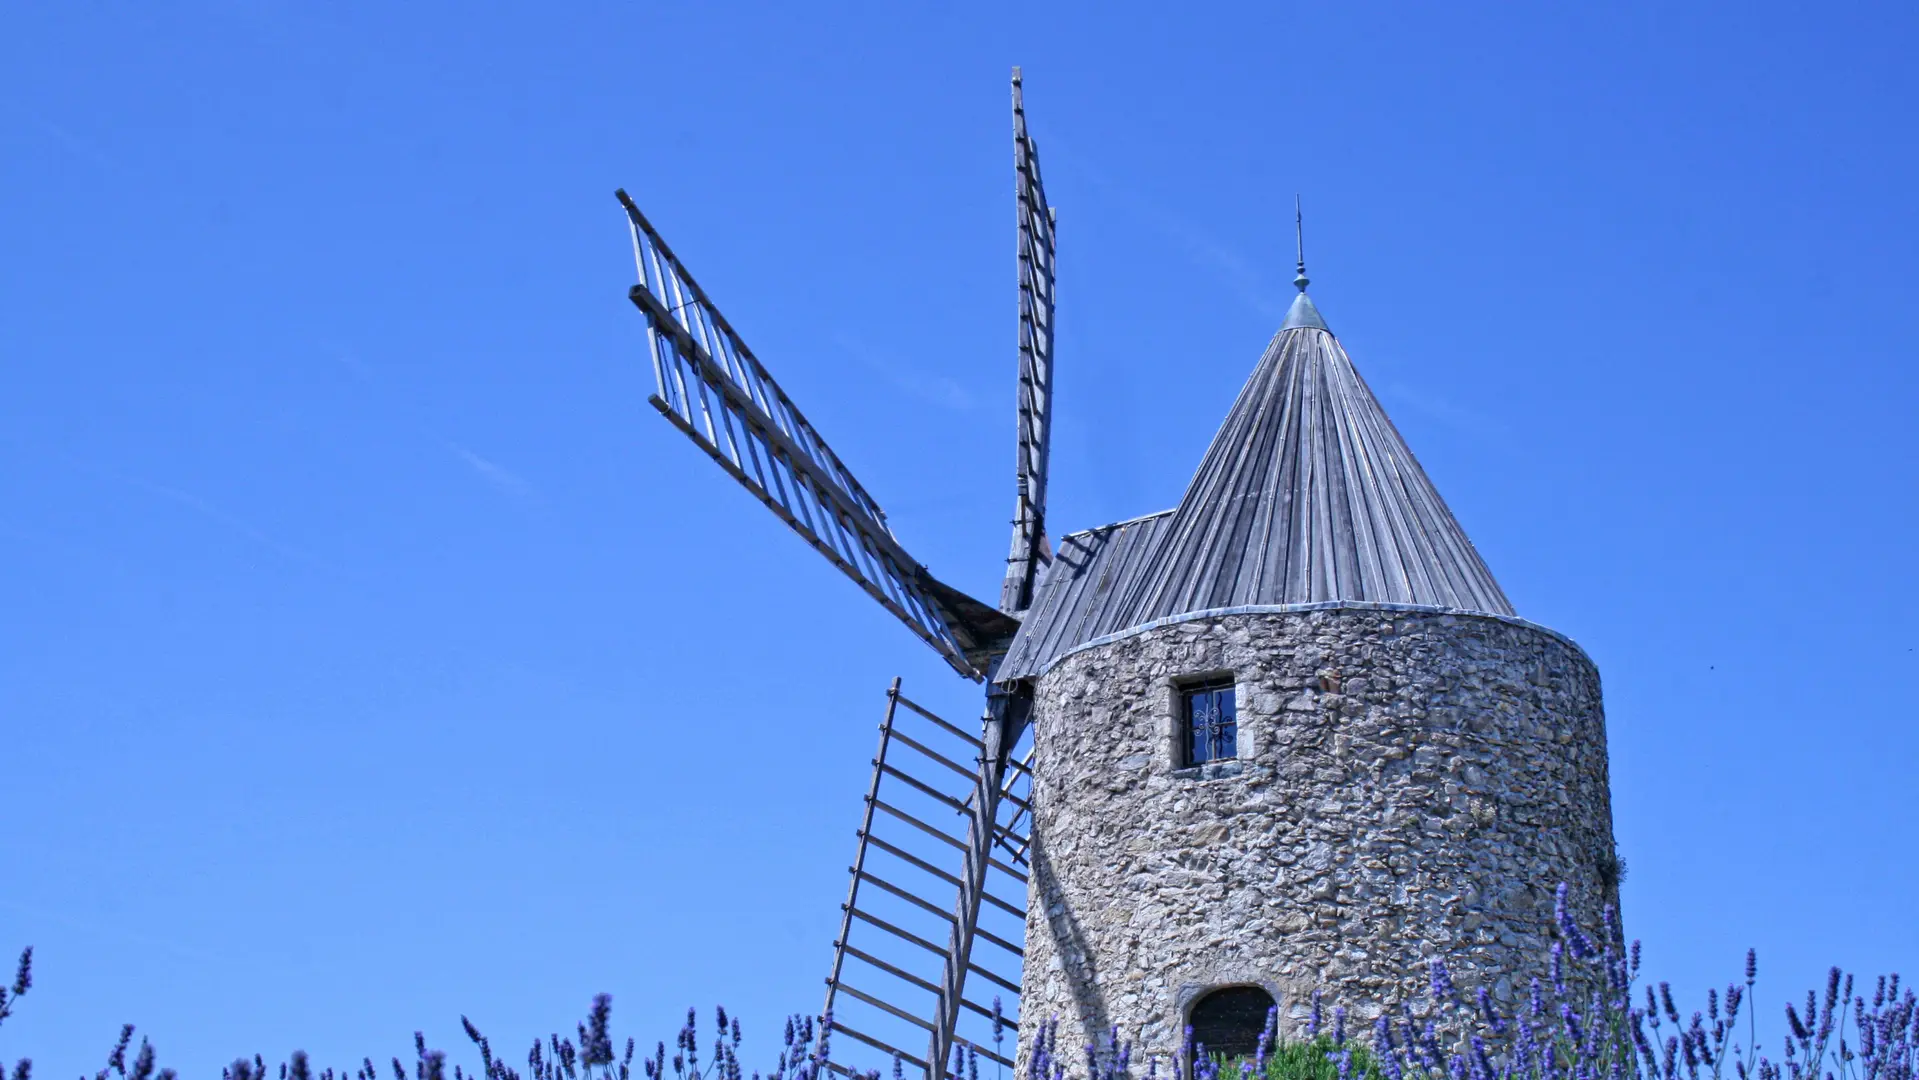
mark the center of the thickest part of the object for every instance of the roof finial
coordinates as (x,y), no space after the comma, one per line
(1302,314)
(1299,238)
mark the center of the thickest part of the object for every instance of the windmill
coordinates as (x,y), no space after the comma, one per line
(1286,735)
(713,388)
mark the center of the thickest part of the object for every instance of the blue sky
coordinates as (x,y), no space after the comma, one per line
(372,654)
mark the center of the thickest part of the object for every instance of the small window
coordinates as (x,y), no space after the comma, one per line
(1211,722)
(1227,1023)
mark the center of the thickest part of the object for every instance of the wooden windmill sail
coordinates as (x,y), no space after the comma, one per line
(942,838)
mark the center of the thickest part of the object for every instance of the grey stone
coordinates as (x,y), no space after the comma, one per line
(1412,786)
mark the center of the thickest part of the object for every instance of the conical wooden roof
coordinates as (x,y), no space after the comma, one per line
(1307,495)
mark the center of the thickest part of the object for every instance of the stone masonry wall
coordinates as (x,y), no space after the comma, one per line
(1410,785)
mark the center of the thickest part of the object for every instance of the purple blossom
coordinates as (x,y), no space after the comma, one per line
(1571,1020)
(1429,1046)
(23,974)
(1488,1012)
(1481,1061)
(1607,1040)
(1576,940)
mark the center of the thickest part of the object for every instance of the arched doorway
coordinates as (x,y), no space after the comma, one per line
(1228,1021)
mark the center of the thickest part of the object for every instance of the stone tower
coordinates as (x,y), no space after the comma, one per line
(1291,735)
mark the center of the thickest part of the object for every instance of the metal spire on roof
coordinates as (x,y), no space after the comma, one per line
(1302,314)
(1299,239)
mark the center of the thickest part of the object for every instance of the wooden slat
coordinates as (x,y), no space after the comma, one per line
(934,832)
(924,905)
(859,854)
(914,939)
(936,756)
(924,788)
(922,826)
(1011,1020)
(989,1055)
(995,978)
(898,973)
(878,1045)
(944,724)
(904,935)
(858,994)
(922,864)
(936,911)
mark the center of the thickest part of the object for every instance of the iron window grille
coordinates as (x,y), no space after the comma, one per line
(1211,722)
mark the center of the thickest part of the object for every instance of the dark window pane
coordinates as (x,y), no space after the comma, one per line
(1212,730)
(1228,1022)
(1196,745)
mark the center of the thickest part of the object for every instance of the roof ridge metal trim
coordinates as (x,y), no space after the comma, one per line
(1117,524)
(1318,605)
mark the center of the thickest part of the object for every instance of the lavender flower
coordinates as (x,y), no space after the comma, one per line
(1488,1013)
(596,1045)
(1384,1051)
(1429,1046)
(22,982)
(1576,940)
(1603,1037)
(1799,1029)
(1482,1065)
(1571,1020)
